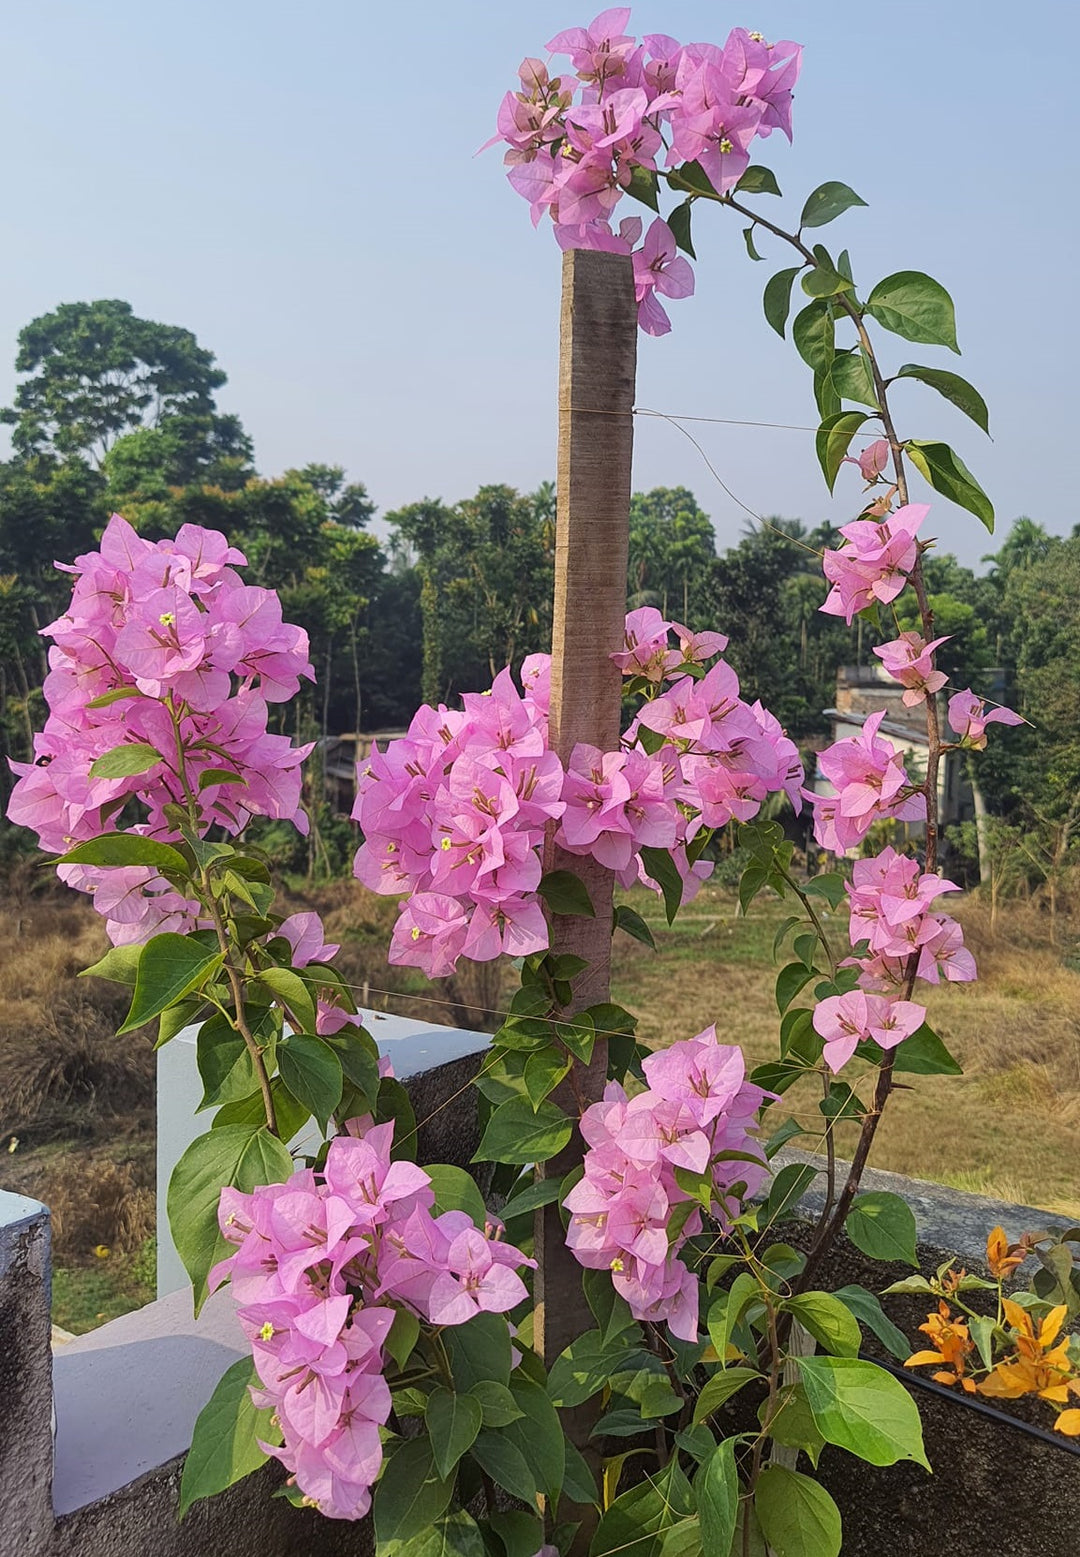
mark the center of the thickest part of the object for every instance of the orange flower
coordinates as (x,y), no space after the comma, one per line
(1069,1422)
(1037,1367)
(1003,1257)
(953,1347)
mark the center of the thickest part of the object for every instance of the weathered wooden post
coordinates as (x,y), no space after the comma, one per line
(598,359)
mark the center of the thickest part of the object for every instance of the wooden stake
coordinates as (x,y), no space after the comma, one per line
(598,359)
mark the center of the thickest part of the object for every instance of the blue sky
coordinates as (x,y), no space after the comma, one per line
(297,185)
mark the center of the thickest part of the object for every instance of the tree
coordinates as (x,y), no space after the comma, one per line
(96,371)
(672,545)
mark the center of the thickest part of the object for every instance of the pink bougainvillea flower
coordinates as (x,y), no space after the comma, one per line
(872,460)
(909,660)
(968,717)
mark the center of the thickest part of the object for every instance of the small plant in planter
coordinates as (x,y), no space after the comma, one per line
(1023,1347)
(392,1319)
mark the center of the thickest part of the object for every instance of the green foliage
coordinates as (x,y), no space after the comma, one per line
(859,1407)
(225,1440)
(797,1516)
(916,307)
(826,203)
(882,1226)
(239,1155)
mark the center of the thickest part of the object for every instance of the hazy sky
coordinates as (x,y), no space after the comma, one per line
(296,184)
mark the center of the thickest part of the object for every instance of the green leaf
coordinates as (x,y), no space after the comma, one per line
(226,1067)
(455,1534)
(225,1440)
(947,474)
(120,965)
(629,920)
(456,1190)
(235,1155)
(757,180)
(728,1309)
(291,1116)
(866,1308)
(543,1072)
(789,981)
(830,886)
(679,222)
(748,239)
(716,1488)
(788,1188)
(793,1423)
(453,1422)
(125,849)
(842,1102)
(826,397)
(882,1226)
(516,1133)
(644,186)
(579,1484)
(861,1408)
(690,175)
(359,1065)
(827,202)
(211,776)
(521,1534)
(114,696)
(176,1018)
(963,395)
(832,1325)
(798,1518)
(719,1389)
(170,967)
(916,307)
(833,440)
(479,1350)
(640,1521)
(498,1406)
(312,1072)
(586,1367)
(534,1441)
(852,378)
(662,869)
(924,1054)
(813,334)
(777,298)
(410,1495)
(611,1312)
(824,280)
(403,1336)
(565,893)
(126,761)
(781,1136)
(293,992)
(541,1192)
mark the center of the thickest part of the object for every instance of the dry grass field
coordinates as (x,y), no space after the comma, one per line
(77,1104)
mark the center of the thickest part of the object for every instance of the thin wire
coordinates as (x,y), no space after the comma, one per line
(717,421)
(675,422)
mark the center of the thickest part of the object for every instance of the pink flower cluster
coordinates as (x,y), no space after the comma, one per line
(575,139)
(891,901)
(892,920)
(870,783)
(874,564)
(909,659)
(321,1264)
(697,1107)
(455,813)
(163,645)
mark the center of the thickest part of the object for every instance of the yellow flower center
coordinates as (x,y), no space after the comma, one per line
(415,932)
(167,618)
(267,1332)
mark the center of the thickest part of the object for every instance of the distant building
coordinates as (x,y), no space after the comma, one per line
(861,690)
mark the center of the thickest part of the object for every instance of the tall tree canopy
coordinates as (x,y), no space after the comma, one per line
(96,371)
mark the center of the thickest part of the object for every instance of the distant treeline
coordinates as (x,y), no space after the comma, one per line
(117,413)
